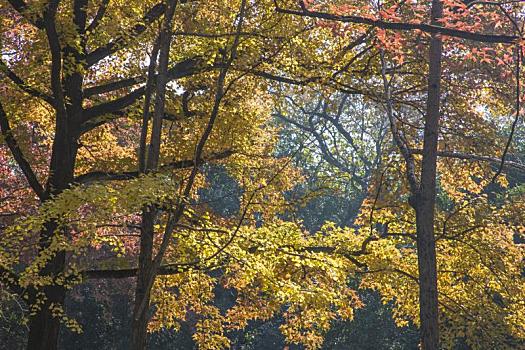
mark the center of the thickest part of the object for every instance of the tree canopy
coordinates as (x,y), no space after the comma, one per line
(294,155)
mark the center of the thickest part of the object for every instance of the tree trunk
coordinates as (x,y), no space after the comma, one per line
(44,327)
(142,292)
(426,253)
(424,201)
(141,307)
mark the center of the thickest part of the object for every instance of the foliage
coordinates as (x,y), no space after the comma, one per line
(72,95)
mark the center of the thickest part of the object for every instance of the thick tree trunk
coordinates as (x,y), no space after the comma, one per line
(44,327)
(424,201)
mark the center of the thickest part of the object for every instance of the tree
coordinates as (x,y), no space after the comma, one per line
(96,75)
(457,24)
(99,172)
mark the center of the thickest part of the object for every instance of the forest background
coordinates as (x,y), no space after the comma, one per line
(262,174)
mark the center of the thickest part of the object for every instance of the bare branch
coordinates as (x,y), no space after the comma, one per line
(467,156)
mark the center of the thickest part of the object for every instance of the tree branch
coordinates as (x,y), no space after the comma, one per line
(474,157)
(18,155)
(399,140)
(95,176)
(56,58)
(278,78)
(21,7)
(112,86)
(516,117)
(401,26)
(98,16)
(128,273)
(23,86)
(90,114)
(113,46)
(181,69)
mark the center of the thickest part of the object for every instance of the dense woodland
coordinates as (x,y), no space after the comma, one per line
(263,174)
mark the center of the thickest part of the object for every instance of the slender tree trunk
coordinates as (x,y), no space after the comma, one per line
(142,290)
(139,325)
(424,201)
(426,252)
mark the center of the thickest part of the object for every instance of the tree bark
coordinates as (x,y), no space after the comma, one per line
(424,200)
